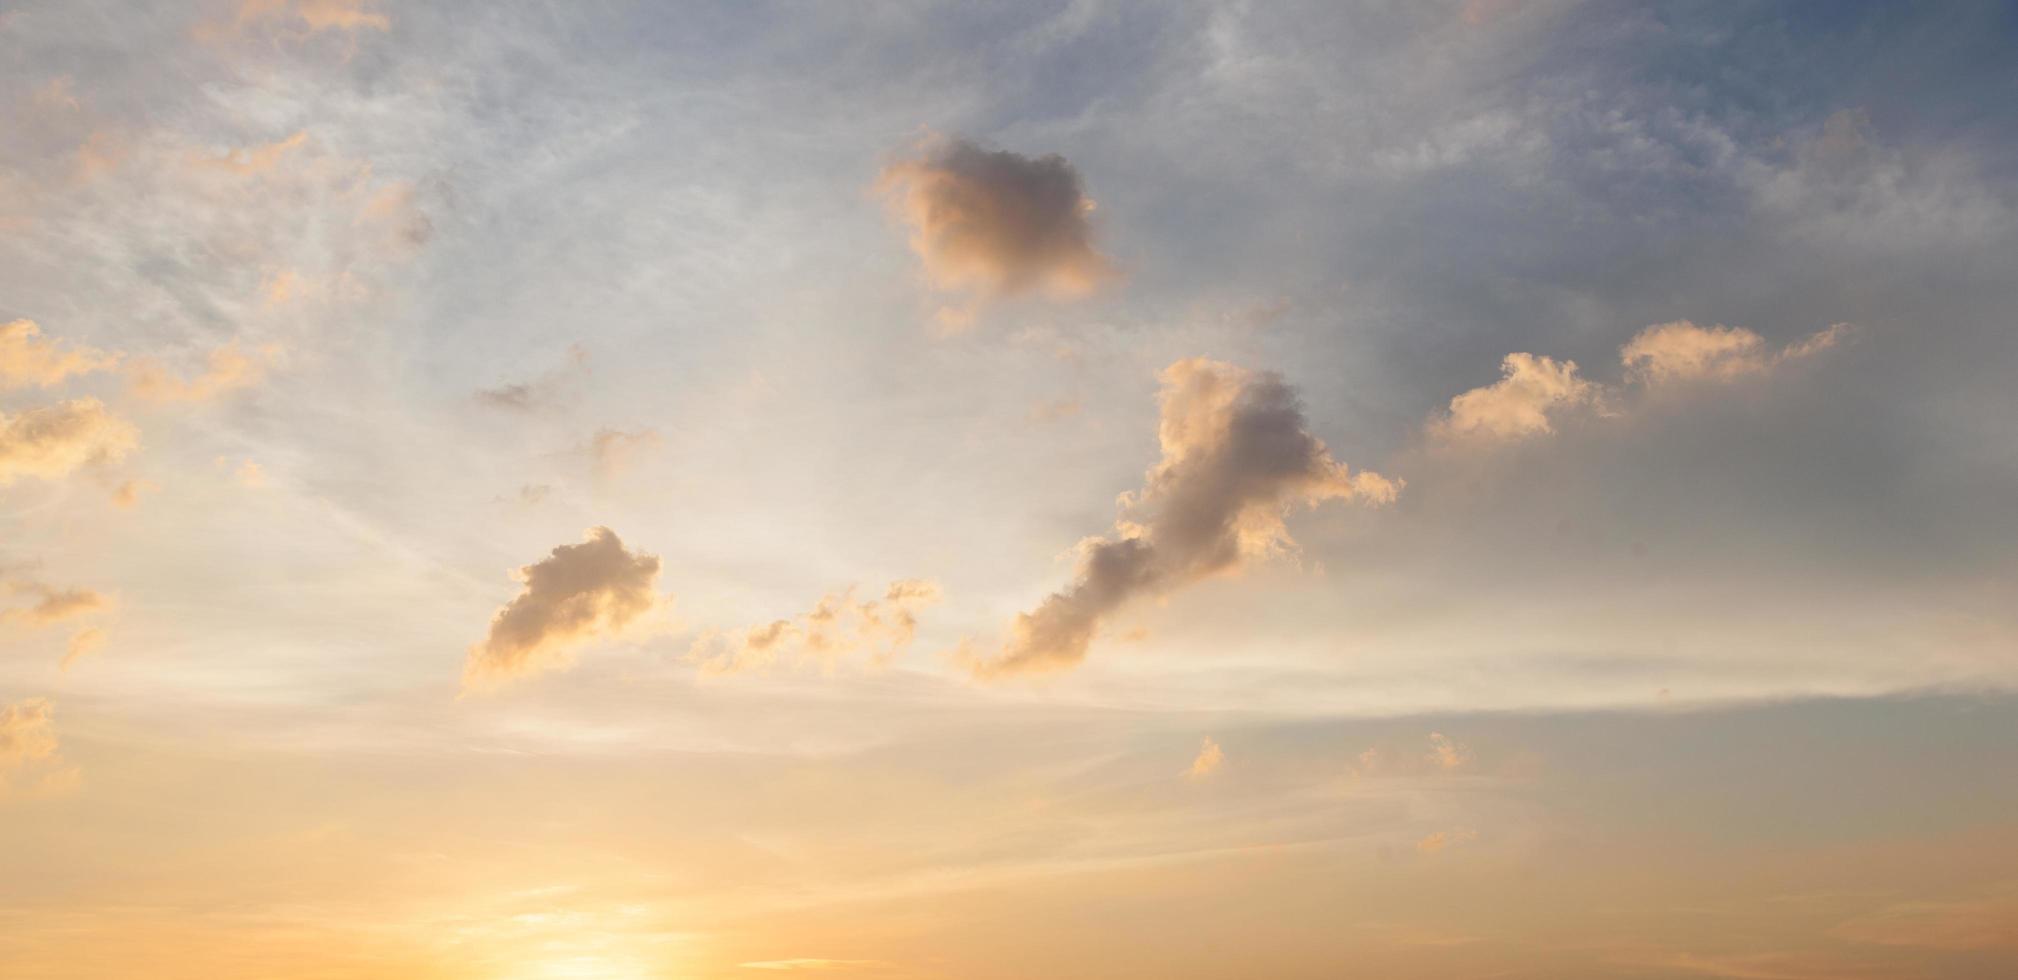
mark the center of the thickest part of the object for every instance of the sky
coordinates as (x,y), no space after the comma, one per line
(1062,488)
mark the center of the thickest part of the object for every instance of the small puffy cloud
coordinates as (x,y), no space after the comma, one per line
(576,594)
(29,361)
(1444,839)
(1683,351)
(83,643)
(1210,757)
(28,749)
(839,626)
(1531,391)
(1237,455)
(227,368)
(54,441)
(994,223)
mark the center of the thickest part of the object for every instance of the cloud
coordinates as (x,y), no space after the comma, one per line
(53,441)
(1530,391)
(250,475)
(314,15)
(1535,392)
(1682,351)
(27,732)
(1446,753)
(83,643)
(1210,757)
(576,594)
(837,627)
(28,746)
(27,360)
(53,605)
(994,223)
(227,368)
(1444,839)
(1237,455)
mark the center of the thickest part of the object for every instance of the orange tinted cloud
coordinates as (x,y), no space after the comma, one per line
(1683,351)
(227,368)
(83,643)
(53,441)
(54,605)
(1523,402)
(27,360)
(1210,757)
(1237,455)
(1535,392)
(837,627)
(247,161)
(577,593)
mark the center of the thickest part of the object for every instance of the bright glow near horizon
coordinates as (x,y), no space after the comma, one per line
(1071,489)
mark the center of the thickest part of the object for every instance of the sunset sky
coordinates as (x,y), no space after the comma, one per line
(902,490)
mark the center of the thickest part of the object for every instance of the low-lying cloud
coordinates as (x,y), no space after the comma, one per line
(1237,455)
